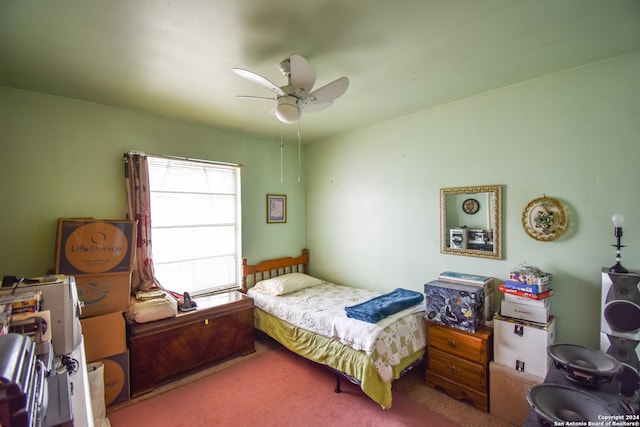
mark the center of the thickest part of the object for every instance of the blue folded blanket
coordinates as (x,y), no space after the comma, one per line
(378,308)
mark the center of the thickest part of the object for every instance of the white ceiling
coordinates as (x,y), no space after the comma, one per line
(174,58)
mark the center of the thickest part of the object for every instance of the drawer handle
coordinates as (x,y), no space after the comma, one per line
(452,342)
(453,368)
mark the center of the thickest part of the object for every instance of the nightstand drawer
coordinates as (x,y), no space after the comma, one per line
(466,345)
(456,369)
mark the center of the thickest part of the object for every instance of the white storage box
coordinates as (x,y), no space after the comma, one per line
(525,312)
(522,345)
(546,302)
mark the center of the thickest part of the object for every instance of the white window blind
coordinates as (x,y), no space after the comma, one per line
(195,224)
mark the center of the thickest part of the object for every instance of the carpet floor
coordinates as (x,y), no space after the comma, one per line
(274,387)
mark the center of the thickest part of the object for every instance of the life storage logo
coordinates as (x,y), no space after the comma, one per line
(96,247)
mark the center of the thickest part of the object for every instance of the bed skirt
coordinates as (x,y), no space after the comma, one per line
(334,354)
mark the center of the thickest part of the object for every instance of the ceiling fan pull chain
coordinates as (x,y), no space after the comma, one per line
(299,149)
(281,153)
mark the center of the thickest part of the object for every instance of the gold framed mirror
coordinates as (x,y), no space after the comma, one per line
(471,221)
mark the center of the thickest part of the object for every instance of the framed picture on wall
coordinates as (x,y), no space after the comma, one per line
(276,208)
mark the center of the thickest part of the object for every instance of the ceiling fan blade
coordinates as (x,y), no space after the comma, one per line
(303,76)
(329,92)
(315,107)
(256,97)
(256,78)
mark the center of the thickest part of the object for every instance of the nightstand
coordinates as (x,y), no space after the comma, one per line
(221,327)
(458,362)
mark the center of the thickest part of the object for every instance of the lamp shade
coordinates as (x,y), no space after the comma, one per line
(287,110)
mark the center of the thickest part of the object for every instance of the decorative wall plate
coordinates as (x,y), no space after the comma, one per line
(545,219)
(470,206)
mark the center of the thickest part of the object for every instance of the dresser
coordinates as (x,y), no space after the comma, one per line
(221,327)
(458,362)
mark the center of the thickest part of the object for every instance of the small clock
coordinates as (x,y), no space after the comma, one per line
(470,206)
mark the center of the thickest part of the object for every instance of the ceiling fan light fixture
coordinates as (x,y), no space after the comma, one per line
(298,94)
(287,110)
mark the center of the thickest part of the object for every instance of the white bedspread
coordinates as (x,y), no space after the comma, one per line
(320,309)
(363,335)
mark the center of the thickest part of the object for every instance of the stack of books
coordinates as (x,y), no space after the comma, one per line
(527,295)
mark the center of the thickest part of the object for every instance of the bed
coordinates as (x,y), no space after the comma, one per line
(307,315)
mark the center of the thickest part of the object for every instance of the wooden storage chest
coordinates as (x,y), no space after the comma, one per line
(221,327)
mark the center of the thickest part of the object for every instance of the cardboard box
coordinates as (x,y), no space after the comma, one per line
(457,305)
(489,303)
(485,282)
(103,293)
(105,341)
(508,391)
(522,345)
(116,378)
(104,336)
(88,246)
(525,312)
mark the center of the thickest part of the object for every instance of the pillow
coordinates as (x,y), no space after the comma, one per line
(153,309)
(287,283)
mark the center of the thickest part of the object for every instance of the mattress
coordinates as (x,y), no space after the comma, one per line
(320,309)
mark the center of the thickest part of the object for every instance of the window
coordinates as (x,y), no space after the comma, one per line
(195,224)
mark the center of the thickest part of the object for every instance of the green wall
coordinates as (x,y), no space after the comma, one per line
(368,204)
(63,158)
(373,195)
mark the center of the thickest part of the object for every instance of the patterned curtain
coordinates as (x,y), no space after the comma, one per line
(136,172)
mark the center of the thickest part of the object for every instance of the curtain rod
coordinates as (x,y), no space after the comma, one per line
(165,156)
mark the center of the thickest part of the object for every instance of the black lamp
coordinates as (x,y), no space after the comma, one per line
(617,222)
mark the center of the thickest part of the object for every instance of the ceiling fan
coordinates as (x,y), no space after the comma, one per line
(297,95)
